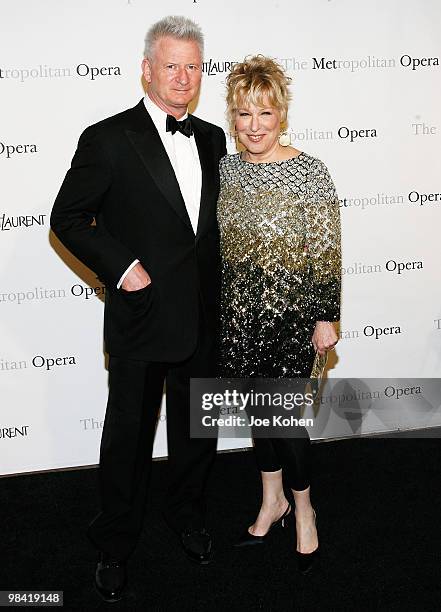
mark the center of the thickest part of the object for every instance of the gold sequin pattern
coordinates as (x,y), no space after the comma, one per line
(281,263)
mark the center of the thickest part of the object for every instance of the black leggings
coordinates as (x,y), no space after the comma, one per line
(292,455)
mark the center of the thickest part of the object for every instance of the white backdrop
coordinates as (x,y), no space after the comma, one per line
(366,85)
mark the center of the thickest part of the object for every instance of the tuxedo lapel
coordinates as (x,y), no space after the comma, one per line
(204,145)
(147,143)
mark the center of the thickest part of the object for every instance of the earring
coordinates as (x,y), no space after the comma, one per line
(284,138)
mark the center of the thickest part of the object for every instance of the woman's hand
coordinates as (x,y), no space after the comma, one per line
(324,337)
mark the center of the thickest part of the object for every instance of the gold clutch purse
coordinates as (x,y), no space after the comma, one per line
(318,367)
(315,383)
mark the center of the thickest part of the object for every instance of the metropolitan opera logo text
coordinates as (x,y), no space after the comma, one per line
(43,71)
(18,297)
(397,267)
(8,150)
(375,332)
(414,197)
(354,64)
(42,362)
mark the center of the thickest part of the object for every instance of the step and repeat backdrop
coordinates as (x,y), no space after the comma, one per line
(366,100)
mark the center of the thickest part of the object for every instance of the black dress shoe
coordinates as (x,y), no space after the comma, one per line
(248,539)
(306,561)
(110,578)
(197,545)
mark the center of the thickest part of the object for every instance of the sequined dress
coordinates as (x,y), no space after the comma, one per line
(281,263)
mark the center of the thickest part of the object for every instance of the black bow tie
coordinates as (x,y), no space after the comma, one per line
(173,126)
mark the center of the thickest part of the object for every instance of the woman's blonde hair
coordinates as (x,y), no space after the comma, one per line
(253,79)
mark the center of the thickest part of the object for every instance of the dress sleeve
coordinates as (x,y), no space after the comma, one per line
(323,243)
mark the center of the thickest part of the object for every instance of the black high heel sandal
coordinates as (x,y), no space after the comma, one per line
(248,539)
(306,561)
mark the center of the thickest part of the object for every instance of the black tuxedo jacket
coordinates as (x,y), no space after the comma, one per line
(120,201)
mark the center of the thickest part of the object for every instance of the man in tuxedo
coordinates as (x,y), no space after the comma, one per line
(138,206)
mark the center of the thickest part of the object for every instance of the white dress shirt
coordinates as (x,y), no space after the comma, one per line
(184,158)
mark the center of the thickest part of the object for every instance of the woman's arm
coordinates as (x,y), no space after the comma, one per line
(323,243)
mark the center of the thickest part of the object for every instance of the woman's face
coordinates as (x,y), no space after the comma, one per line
(258,128)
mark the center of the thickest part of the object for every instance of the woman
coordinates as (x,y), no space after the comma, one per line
(279,221)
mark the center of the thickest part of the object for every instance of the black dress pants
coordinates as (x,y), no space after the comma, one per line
(135,393)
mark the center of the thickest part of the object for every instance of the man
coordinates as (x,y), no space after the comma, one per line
(138,206)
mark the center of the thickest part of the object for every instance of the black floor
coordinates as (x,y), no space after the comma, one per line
(379,516)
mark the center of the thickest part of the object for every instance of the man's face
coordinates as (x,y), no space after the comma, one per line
(173,74)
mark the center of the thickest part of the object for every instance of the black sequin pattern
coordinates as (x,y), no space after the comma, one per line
(281,263)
